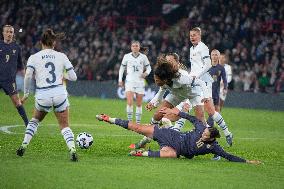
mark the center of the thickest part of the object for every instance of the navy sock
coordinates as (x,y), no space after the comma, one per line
(210,121)
(122,123)
(153,153)
(23,114)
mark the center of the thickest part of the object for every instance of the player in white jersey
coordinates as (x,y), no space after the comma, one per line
(169,76)
(200,64)
(228,69)
(48,68)
(137,68)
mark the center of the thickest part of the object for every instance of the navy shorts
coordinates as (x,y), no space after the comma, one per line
(168,137)
(216,100)
(9,88)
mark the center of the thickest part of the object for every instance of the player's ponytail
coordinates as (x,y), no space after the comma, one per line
(48,38)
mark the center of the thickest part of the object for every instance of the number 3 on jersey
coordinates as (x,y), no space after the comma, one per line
(51,65)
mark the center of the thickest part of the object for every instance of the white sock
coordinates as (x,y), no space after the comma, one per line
(179,124)
(129,111)
(68,137)
(166,122)
(30,131)
(138,114)
(220,121)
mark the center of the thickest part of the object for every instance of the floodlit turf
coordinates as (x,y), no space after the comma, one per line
(258,135)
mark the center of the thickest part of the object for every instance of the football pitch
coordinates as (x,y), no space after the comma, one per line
(258,134)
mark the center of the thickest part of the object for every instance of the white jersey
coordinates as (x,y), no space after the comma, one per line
(48,66)
(182,88)
(134,67)
(229,74)
(200,62)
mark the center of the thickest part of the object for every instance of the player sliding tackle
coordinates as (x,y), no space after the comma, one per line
(173,144)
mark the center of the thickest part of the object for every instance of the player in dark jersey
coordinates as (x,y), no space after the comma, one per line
(173,144)
(217,72)
(10,63)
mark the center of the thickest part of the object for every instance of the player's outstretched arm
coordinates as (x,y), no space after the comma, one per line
(221,152)
(255,162)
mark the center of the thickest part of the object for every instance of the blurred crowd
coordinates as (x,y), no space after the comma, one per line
(250,33)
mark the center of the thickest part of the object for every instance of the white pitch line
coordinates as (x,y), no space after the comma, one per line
(6,128)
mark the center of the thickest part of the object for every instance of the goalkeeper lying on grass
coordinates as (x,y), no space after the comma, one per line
(173,144)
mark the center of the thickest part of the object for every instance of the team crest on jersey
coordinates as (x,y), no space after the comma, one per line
(219,72)
(14,51)
(208,146)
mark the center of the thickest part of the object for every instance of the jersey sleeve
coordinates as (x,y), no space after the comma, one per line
(224,77)
(147,65)
(217,149)
(122,68)
(205,57)
(30,63)
(229,74)
(196,122)
(67,64)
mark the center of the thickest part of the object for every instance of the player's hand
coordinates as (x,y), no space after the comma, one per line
(150,106)
(144,75)
(205,100)
(225,91)
(186,107)
(120,84)
(24,98)
(255,162)
(167,111)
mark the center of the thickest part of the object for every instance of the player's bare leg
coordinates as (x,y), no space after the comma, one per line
(129,106)
(139,100)
(221,104)
(17,103)
(63,121)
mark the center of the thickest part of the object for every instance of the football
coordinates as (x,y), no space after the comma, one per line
(84,140)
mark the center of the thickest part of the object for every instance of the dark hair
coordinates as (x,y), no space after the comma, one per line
(176,57)
(49,37)
(214,132)
(166,70)
(144,50)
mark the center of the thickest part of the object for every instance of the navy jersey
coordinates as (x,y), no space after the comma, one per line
(10,61)
(217,73)
(192,145)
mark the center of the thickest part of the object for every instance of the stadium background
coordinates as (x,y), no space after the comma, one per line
(251,33)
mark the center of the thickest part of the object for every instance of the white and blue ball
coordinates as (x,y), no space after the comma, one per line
(84,140)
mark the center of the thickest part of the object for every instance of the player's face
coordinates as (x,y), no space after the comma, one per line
(195,37)
(135,47)
(158,81)
(215,57)
(8,34)
(205,135)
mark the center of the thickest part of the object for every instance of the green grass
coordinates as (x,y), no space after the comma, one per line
(258,135)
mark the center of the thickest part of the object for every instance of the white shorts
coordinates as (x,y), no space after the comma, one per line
(222,95)
(59,103)
(179,102)
(134,87)
(208,90)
